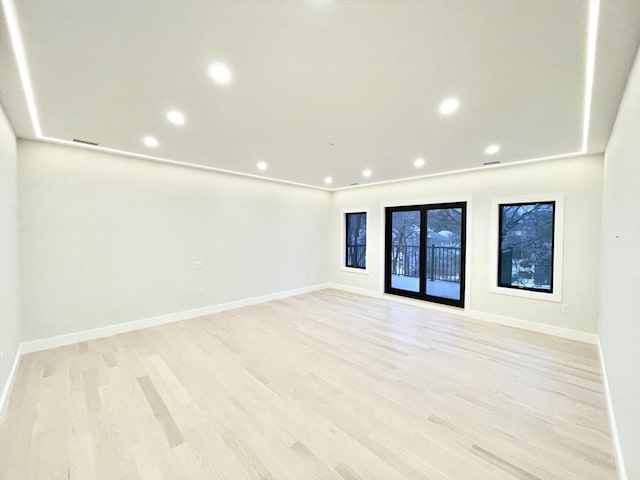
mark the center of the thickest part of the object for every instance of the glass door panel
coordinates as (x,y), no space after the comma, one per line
(444,254)
(425,252)
(405,250)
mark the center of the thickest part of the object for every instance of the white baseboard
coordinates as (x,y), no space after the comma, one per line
(397,299)
(75,337)
(477,315)
(71,338)
(622,473)
(561,332)
(8,386)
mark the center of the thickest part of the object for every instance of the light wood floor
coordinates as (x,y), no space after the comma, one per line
(324,385)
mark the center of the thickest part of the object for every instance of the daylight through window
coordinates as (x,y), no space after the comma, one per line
(356,241)
(525,251)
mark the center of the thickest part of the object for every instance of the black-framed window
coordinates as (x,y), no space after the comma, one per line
(356,240)
(526,245)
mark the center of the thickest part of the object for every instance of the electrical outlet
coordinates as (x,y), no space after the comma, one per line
(198,265)
(565,308)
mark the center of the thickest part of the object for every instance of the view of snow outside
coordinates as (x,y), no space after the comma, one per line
(442,249)
(526,245)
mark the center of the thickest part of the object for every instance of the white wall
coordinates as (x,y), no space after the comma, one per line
(580,179)
(10,336)
(620,272)
(108,239)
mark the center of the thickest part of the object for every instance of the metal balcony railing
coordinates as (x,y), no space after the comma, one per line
(443,263)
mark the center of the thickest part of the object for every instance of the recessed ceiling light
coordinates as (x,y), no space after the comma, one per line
(418,162)
(175,117)
(262,166)
(150,141)
(492,149)
(367,172)
(220,73)
(449,106)
(328,180)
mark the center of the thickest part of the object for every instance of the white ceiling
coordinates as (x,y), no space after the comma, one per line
(323,87)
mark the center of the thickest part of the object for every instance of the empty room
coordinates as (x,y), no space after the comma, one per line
(320,239)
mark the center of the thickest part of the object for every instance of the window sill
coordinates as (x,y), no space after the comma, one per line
(514,292)
(361,271)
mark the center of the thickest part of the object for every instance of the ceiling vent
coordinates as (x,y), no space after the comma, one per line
(85,142)
(492,163)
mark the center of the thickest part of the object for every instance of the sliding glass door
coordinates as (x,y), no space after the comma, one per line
(404,250)
(425,252)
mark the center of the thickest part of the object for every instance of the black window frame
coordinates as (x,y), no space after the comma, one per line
(554,205)
(347,244)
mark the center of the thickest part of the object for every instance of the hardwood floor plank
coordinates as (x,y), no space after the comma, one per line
(174,437)
(503,464)
(322,385)
(346,472)
(91,393)
(254,466)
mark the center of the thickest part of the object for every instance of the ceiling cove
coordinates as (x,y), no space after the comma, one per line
(225,77)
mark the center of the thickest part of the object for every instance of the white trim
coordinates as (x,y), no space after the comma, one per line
(396,298)
(343,238)
(8,386)
(360,271)
(613,426)
(514,163)
(558,247)
(544,328)
(21,61)
(428,201)
(592,39)
(124,153)
(357,290)
(528,325)
(71,338)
